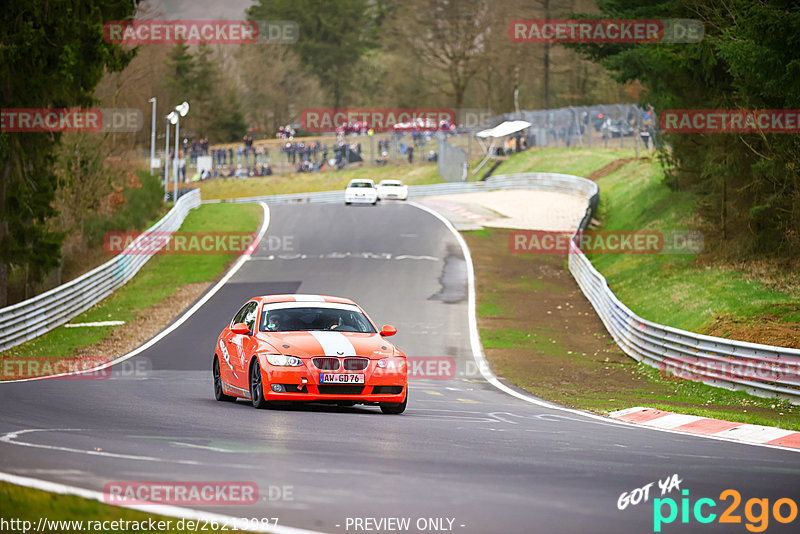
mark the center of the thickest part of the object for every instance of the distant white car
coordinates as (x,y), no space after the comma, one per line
(361,191)
(392,189)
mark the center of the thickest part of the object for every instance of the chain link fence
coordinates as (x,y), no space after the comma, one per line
(601,126)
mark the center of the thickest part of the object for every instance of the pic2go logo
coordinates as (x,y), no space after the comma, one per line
(756,511)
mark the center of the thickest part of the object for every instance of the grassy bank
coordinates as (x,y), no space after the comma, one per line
(159,280)
(688,291)
(579,162)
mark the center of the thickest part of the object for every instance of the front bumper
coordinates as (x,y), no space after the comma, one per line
(380,385)
(360,200)
(393,196)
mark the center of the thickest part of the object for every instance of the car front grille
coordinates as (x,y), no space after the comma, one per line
(326,363)
(340,390)
(355,364)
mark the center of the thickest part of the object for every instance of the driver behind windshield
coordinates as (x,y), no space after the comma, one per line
(274,322)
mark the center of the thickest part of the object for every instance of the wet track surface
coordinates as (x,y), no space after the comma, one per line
(463,450)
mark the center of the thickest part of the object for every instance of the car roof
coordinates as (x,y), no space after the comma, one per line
(362,180)
(271,299)
(399,182)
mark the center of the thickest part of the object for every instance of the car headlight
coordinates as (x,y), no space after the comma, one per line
(391,364)
(282,360)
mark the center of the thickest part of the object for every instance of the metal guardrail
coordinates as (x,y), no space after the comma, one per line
(35,316)
(762,370)
(537,180)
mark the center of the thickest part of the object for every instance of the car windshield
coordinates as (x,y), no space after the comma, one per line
(315,318)
(391,184)
(359,184)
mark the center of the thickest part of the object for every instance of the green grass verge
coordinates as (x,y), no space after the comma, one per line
(158,279)
(222,188)
(25,504)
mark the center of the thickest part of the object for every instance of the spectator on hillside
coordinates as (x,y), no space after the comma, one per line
(644,133)
(240,172)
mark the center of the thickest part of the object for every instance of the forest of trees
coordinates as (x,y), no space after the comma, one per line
(393,53)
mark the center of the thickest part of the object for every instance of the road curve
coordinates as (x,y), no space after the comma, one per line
(463,450)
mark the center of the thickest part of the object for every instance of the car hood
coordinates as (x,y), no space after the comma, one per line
(328,343)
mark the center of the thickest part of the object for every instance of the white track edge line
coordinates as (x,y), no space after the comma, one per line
(483,364)
(183,318)
(155,509)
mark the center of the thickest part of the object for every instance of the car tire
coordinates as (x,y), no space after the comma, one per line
(257,386)
(395,407)
(218,394)
(346,203)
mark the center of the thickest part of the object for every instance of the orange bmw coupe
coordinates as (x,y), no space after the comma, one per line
(309,348)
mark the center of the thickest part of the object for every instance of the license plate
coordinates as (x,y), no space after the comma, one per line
(340,378)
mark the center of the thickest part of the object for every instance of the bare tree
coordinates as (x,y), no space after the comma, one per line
(448,35)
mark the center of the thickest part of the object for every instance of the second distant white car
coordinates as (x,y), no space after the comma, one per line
(361,191)
(392,189)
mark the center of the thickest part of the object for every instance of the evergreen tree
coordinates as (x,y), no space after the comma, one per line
(52,56)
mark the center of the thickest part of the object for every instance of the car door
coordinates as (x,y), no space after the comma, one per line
(229,370)
(242,346)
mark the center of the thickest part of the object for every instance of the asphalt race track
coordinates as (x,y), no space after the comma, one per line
(463,450)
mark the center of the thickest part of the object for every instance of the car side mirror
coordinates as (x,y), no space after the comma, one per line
(240,328)
(388,330)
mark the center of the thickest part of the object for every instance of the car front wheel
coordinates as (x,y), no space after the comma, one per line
(395,407)
(257,386)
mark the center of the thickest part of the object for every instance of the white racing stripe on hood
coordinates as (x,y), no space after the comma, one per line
(308,298)
(334,343)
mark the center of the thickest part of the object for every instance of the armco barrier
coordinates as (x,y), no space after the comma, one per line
(42,313)
(762,370)
(536,180)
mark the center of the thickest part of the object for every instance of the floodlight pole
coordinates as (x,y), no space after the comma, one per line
(166,162)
